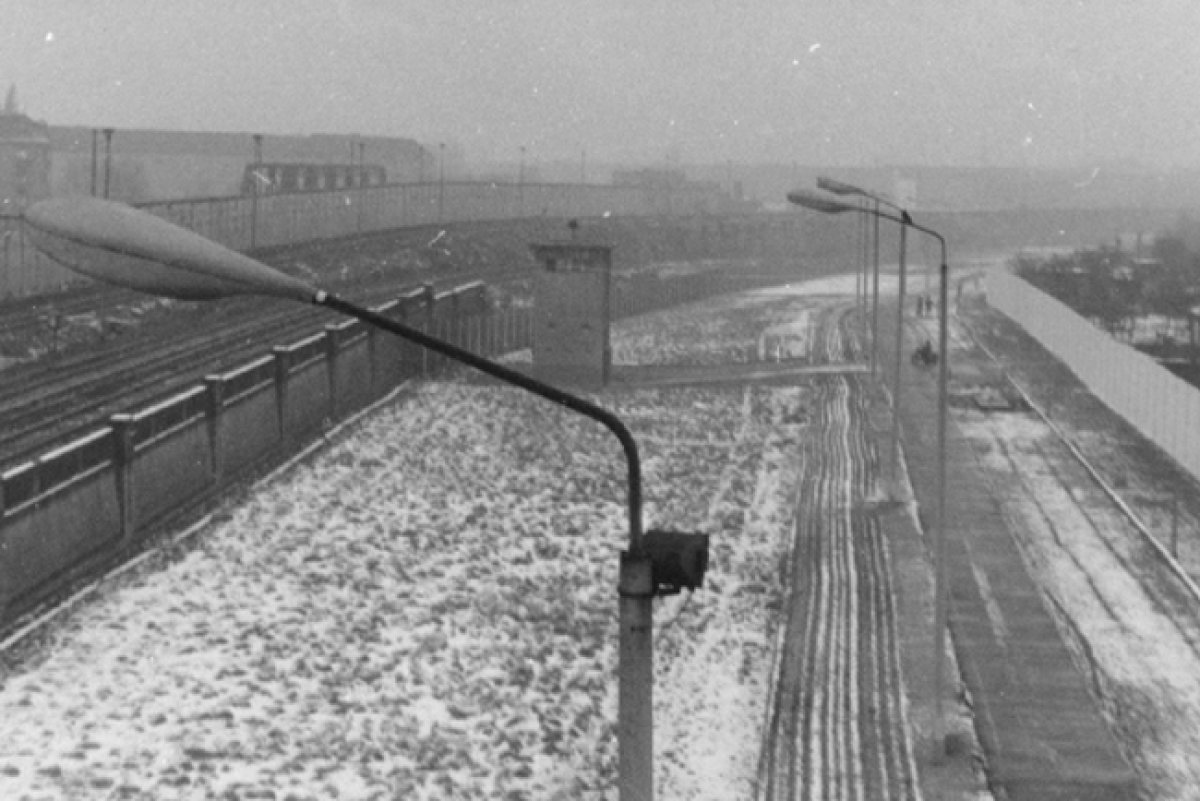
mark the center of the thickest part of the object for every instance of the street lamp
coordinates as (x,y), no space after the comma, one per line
(828,205)
(521,184)
(362,184)
(108,135)
(95,135)
(255,178)
(840,188)
(121,245)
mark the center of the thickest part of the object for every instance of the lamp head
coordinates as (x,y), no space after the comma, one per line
(121,245)
(839,188)
(817,202)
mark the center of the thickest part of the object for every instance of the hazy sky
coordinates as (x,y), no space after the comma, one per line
(808,81)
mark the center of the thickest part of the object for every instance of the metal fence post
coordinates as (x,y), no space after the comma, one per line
(123,461)
(282,365)
(216,408)
(332,346)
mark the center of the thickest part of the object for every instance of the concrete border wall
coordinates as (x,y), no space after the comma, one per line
(59,509)
(1165,408)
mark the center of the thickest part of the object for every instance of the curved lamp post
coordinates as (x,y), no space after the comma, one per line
(828,205)
(120,245)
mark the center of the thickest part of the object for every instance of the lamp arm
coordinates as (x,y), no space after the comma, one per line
(904,219)
(941,239)
(510,376)
(888,203)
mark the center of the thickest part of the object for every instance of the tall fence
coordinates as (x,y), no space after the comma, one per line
(1163,407)
(83,505)
(244,223)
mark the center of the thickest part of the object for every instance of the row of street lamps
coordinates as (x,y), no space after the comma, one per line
(829,204)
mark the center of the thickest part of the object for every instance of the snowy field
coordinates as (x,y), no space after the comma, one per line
(427,607)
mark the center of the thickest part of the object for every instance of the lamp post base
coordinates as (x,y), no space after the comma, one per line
(635,709)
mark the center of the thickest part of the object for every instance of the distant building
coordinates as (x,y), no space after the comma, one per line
(24,157)
(162,165)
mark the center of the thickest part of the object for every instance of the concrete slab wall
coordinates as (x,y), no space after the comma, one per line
(249,430)
(353,370)
(1162,406)
(42,538)
(172,469)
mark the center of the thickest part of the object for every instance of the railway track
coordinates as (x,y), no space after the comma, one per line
(47,402)
(59,319)
(835,727)
(63,395)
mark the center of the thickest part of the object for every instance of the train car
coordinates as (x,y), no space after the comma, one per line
(274,178)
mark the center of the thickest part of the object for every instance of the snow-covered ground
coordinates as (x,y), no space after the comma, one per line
(1083,552)
(426,608)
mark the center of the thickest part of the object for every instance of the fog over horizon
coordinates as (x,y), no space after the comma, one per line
(923,82)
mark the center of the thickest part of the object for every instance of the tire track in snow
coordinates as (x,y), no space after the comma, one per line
(839,643)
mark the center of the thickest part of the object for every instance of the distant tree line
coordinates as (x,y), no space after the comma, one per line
(1114,287)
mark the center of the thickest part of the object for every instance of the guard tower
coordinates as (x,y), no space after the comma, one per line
(24,157)
(571,313)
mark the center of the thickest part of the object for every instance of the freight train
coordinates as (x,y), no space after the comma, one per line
(273,178)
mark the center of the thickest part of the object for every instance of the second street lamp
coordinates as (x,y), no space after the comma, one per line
(828,205)
(840,188)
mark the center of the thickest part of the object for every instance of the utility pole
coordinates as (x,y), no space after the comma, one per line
(255,177)
(108,135)
(95,165)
